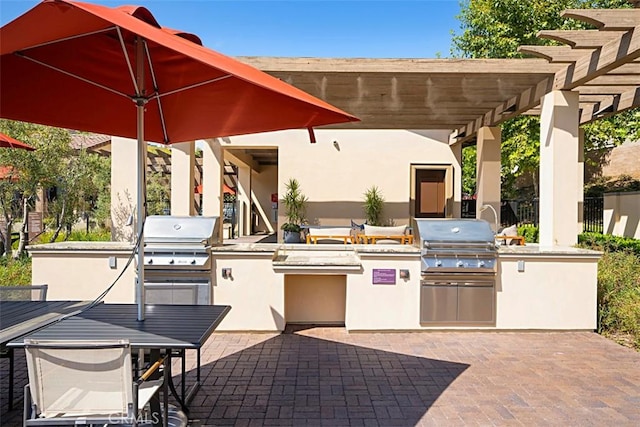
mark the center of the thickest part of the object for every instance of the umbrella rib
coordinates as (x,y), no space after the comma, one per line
(64,39)
(193,86)
(75,76)
(126,58)
(155,89)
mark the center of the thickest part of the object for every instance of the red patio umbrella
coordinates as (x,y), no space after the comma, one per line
(117,71)
(7,142)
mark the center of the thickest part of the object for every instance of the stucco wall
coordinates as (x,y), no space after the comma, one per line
(83,275)
(335,171)
(254,291)
(622,214)
(551,293)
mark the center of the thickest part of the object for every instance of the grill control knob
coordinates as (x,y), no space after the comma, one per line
(438,263)
(172,262)
(193,261)
(150,261)
(481,264)
(459,264)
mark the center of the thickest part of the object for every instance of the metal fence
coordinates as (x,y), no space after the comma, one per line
(526,212)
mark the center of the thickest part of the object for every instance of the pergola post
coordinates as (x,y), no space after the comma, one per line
(182,178)
(559,186)
(457,191)
(488,175)
(212,179)
(244,200)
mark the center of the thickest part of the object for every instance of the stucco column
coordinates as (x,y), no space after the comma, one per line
(212,179)
(124,187)
(580,178)
(244,200)
(488,175)
(457,178)
(183,164)
(559,144)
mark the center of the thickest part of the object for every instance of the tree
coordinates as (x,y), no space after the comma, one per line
(30,171)
(79,185)
(79,178)
(495,29)
(158,193)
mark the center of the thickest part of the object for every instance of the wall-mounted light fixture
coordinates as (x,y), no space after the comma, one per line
(336,145)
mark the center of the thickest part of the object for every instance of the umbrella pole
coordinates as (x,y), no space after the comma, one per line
(141,177)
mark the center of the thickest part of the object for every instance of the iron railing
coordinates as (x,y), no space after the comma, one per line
(526,212)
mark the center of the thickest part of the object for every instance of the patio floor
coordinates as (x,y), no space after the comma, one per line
(326,376)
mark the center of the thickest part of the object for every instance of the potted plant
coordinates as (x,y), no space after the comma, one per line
(373,204)
(294,206)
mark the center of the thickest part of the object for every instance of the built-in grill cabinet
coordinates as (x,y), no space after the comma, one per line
(177,259)
(459,263)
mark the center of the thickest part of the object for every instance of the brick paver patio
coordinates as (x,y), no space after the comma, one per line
(326,376)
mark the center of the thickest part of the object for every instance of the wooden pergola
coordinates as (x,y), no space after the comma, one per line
(464,95)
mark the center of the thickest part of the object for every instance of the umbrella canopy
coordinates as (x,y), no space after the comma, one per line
(117,71)
(7,142)
(74,65)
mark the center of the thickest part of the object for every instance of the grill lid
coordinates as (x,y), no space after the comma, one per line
(458,232)
(181,230)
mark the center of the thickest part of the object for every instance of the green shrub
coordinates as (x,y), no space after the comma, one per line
(608,243)
(618,285)
(619,295)
(530,233)
(99,235)
(15,272)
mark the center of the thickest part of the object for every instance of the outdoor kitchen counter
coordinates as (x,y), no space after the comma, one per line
(536,287)
(82,270)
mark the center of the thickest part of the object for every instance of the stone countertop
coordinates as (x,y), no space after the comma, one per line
(530,249)
(81,246)
(533,249)
(280,247)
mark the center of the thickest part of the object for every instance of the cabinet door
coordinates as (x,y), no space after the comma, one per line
(438,303)
(475,304)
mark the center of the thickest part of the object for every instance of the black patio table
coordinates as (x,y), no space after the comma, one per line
(18,318)
(166,327)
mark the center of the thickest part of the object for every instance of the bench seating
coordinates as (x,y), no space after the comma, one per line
(333,234)
(510,239)
(385,235)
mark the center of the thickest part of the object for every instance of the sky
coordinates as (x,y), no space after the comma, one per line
(302,28)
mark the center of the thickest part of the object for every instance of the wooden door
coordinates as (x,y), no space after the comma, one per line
(430,198)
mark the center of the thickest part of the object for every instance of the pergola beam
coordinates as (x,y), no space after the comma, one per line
(581,39)
(606,19)
(555,54)
(611,55)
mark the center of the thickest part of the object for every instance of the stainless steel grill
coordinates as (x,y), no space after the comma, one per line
(177,258)
(458,269)
(458,246)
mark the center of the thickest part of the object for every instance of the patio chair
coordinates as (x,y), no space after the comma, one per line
(18,293)
(24,293)
(82,382)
